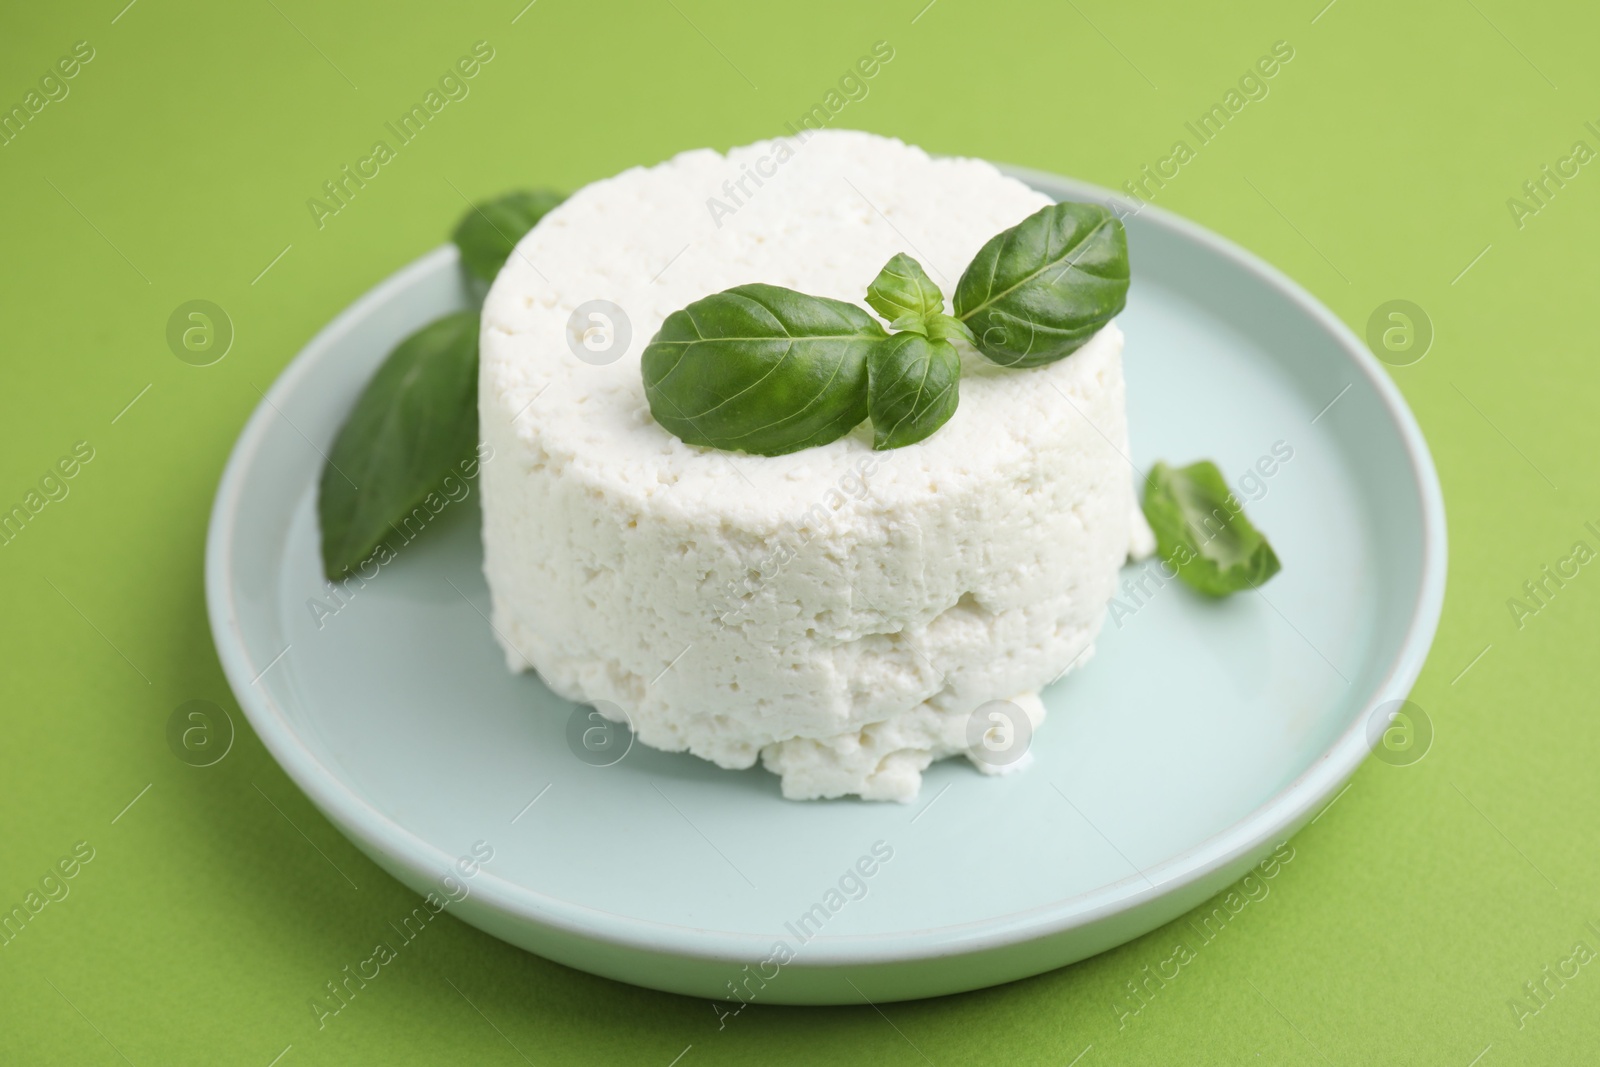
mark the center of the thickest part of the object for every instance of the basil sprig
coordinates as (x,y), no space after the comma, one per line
(1033,294)
(913,378)
(1038,291)
(417,418)
(1201,530)
(760,368)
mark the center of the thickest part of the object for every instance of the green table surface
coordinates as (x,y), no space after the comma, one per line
(1383,163)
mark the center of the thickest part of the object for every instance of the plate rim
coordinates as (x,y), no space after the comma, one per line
(1273,821)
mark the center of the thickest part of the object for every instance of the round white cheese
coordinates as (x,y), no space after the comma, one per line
(839,612)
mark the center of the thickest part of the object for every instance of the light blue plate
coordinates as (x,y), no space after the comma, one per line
(1202,734)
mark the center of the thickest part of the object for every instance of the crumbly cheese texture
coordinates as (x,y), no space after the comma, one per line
(838,613)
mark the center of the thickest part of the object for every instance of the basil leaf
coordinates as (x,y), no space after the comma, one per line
(761,369)
(1201,529)
(1036,292)
(912,387)
(945,328)
(489,231)
(904,294)
(416,419)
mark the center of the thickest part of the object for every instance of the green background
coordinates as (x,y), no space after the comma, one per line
(178,167)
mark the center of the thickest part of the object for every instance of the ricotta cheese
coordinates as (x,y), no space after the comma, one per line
(838,613)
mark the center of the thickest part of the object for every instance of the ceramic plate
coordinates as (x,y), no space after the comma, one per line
(1200,737)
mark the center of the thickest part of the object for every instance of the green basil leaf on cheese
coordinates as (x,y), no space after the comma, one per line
(761,369)
(1037,292)
(912,388)
(1201,529)
(904,294)
(489,231)
(414,422)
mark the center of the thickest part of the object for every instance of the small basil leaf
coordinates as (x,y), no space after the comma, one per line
(946,328)
(761,369)
(415,420)
(912,386)
(912,321)
(1201,529)
(903,290)
(1036,292)
(489,231)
